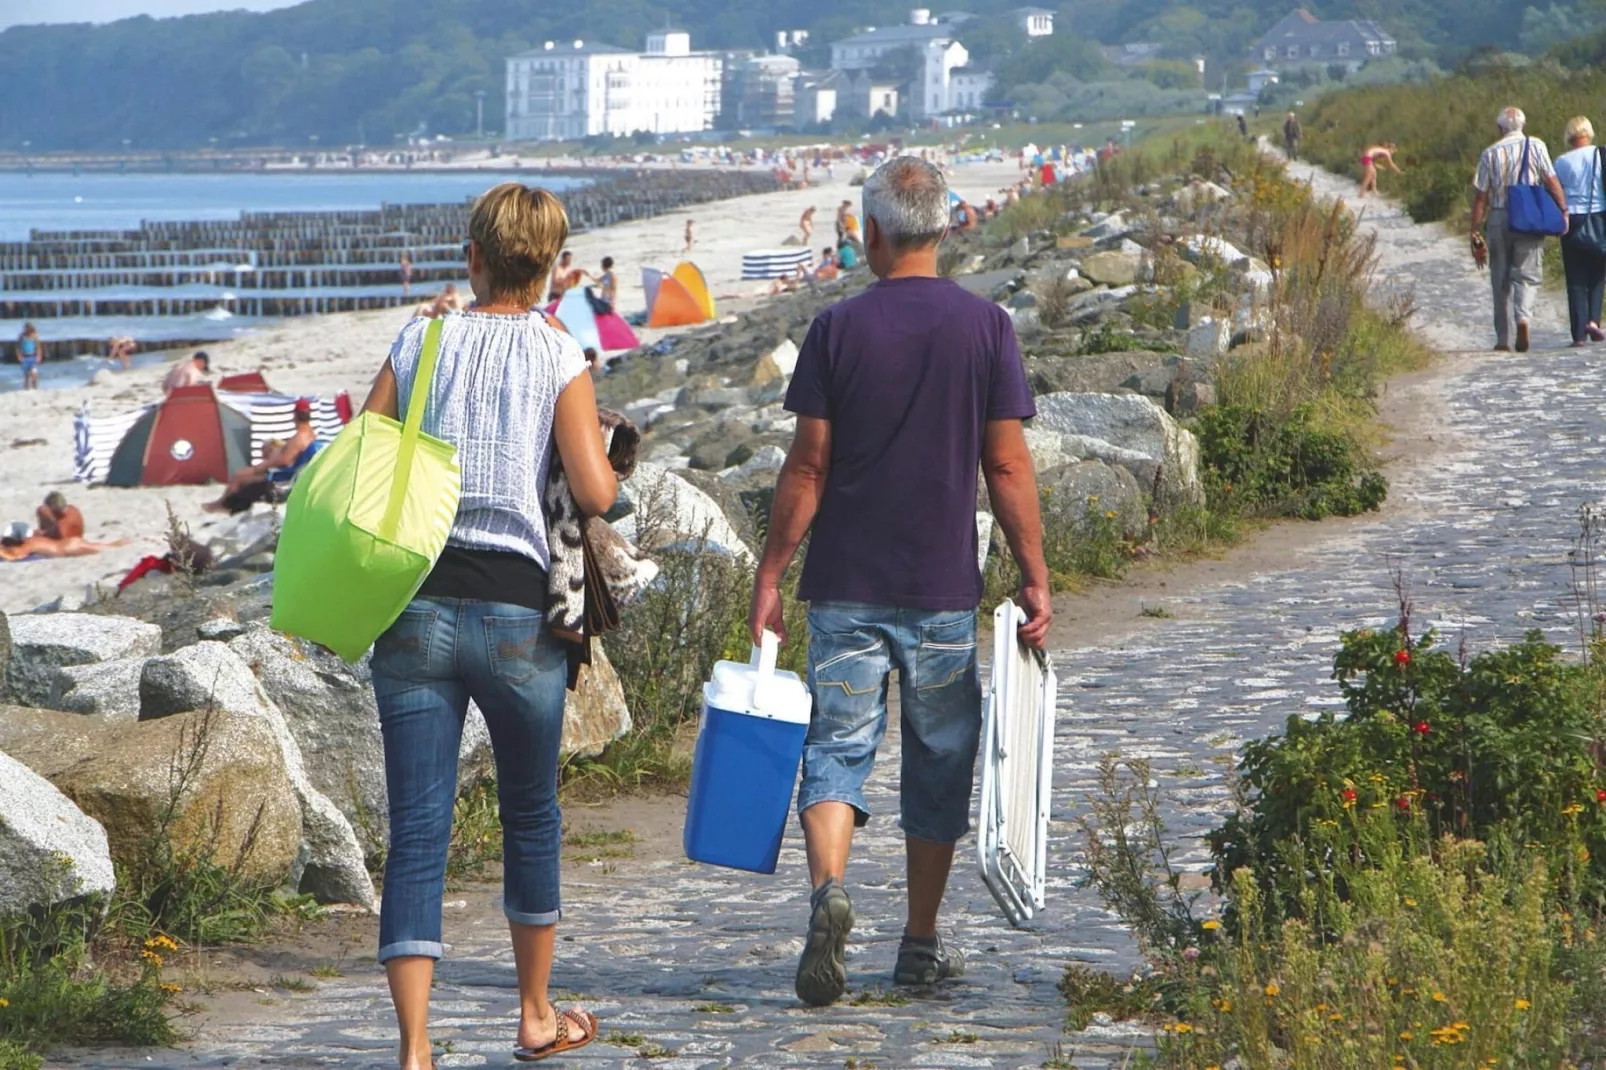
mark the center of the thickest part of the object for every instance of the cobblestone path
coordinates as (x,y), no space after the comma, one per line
(1480,532)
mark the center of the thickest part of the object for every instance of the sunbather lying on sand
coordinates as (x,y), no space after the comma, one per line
(60,534)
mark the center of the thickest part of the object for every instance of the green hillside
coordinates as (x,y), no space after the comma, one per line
(375,70)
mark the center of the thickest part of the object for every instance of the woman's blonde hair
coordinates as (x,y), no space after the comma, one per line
(1578,127)
(519,230)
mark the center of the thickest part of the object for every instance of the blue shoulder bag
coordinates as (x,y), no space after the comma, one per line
(1530,209)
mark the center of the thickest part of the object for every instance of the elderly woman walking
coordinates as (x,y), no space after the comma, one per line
(511,393)
(1513,258)
(1583,250)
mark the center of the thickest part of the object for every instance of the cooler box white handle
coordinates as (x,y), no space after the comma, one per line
(763,661)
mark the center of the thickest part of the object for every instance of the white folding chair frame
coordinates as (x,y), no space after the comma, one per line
(1017,767)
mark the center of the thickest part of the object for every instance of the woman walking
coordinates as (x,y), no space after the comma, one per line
(1583,256)
(508,390)
(1369,160)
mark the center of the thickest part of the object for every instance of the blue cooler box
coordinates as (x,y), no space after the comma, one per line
(745,765)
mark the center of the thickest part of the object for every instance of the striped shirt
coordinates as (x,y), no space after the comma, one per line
(1500,162)
(497,381)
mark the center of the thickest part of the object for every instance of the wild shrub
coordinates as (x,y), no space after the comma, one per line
(1254,464)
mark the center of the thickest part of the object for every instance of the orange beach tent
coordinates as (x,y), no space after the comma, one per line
(678,299)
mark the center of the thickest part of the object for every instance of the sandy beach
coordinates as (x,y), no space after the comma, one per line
(323,355)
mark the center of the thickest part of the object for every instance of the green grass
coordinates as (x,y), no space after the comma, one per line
(713,1008)
(877,997)
(292,984)
(1157,612)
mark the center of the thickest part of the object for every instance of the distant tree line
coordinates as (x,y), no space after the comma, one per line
(327,73)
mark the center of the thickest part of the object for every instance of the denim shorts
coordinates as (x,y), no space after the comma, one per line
(853,649)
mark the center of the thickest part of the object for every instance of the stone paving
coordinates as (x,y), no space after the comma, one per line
(698,961)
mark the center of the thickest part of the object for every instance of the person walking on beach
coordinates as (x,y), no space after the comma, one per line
(406,268)
(510,392)
(1583,259)
(1369,162)
(1292,136)
(690,238)
(900,393)
(29,354)
(1513,259)
(842,220)
(806,224)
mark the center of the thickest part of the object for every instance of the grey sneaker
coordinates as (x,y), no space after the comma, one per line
(925,962)
(822,972)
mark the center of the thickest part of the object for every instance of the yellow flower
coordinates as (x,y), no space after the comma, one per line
(5,1003)
(151,957)
(1335,1017)
(1573,808)
(1407,1035)
(1272,990)
(1523,1004)
(1410,902)
(1092,499)
(1211,926)
(1184,1027)
(1438,997)
(1109,514)
(170,988)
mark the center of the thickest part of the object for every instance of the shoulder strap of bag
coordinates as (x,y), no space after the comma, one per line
(1596,184)
(423,376)
(1522,168)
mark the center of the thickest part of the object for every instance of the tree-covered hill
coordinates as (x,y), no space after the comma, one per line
(344,71)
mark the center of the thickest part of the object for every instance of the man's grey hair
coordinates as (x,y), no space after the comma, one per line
(1511,120)
(908,199)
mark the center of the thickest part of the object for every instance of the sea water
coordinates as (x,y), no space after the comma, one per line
(62,202)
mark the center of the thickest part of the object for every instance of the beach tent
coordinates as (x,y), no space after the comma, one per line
(190,437)
(244,383)
(575,315)
(775,263)
(195,435)
(690,276)
(669,302)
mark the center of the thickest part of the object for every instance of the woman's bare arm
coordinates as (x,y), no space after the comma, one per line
(382,395)
(579,442)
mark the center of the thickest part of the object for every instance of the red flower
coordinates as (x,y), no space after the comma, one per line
(1348,794)
(1403,803)
(1402,657)
(1422,728)
(1600,796)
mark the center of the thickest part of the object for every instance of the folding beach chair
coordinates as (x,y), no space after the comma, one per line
(1017,767)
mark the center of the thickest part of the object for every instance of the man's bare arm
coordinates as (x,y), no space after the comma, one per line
(797,499)
(1012,488)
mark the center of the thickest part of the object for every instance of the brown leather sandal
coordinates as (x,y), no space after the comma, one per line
(585,1020)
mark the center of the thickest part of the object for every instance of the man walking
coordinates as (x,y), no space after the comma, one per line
(1292,135)
(1513,259)
(900,393)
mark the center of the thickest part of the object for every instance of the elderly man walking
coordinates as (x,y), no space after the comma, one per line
(1513,259)
(900,394)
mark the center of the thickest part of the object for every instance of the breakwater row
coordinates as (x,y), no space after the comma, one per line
(279,264)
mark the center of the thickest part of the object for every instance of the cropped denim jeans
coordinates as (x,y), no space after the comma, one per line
(439,654)
(853,649)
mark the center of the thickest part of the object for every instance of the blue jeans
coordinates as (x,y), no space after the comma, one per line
(853,648)
(440,653)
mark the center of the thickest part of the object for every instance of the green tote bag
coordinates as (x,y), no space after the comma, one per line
(365,522)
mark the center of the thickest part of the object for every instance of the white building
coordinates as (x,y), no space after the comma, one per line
(932,42)
(1034,21)
(968,88)
(565,91)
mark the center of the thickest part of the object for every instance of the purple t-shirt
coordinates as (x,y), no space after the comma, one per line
(908,373)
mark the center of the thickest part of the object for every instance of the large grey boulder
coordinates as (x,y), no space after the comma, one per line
(1094,485)
(43,643)
(210,675)
(50,850)
(109,688)
(1113,268)
(5,653)
(666,511)
(213,783)
(595,712)
(1127,430)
